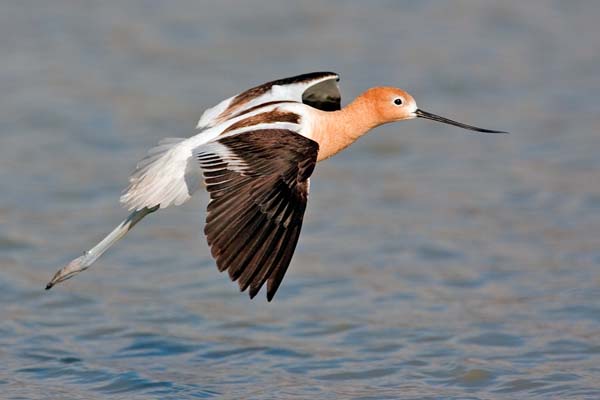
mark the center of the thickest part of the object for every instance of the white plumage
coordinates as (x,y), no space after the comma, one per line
(256,152)
(169,176)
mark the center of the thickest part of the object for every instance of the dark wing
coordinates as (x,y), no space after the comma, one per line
(317,89)
(258,185)
(324,96)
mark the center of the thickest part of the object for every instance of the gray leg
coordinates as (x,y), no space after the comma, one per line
(82,263)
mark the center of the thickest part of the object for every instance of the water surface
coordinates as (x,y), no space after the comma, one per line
(434,263)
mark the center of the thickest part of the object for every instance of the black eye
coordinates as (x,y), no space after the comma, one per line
(398,101)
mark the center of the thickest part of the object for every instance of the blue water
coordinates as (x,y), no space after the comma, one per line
(433,264)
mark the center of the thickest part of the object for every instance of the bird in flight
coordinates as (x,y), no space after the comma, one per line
(255,153)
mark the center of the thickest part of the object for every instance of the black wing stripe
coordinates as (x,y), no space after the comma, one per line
(268,254)
(243,251)
(269,263)
(257,91)
(262,277)
(276,242)
(279,269)
(262,263)
(245,223)
(259,258)
(235,234)
(258,185)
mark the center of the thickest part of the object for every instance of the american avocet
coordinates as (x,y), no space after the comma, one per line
(256,152)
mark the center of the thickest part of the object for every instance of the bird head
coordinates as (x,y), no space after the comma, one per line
(392,104)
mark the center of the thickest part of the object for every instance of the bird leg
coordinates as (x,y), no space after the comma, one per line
(83,262)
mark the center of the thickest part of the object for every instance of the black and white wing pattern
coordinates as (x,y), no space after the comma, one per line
(258,184)
(168,175)
(316,89)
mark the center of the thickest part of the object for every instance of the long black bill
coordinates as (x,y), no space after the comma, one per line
(433,117)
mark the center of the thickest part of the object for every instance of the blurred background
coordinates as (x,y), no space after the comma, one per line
(434,263)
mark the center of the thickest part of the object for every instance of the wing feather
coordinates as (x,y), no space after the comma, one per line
(318,89)
(168,174)
(255,214)
(163,177)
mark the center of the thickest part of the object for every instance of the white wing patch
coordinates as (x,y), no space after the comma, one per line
(269,125)
(209,117)
(289,89)
(164,177)
(213,155)
(168,175)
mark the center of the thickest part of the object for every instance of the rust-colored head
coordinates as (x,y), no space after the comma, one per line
(389,104)
(334,131)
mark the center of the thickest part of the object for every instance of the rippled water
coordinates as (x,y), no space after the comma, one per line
(433,263)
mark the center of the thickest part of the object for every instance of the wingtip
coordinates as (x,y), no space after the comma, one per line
(49,285)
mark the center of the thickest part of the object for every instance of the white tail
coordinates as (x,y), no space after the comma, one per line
(163,177)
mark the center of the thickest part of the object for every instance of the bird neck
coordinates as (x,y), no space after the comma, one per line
(334,131)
